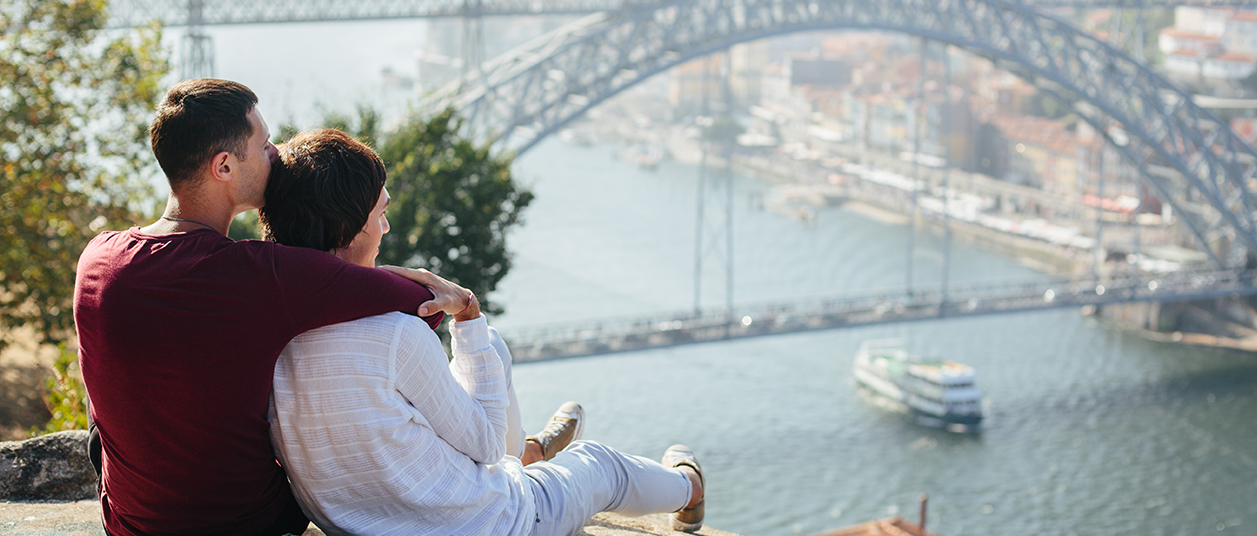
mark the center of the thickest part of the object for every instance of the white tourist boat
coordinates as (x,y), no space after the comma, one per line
(939,390)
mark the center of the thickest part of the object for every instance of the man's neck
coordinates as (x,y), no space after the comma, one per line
(182,215)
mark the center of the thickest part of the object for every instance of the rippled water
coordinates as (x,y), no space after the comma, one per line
(1092,430)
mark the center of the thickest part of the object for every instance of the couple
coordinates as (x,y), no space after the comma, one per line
(181,329)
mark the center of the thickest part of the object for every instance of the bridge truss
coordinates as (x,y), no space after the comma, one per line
(1192,158)
(131,13)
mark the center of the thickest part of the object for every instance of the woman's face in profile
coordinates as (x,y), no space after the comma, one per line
(366,246)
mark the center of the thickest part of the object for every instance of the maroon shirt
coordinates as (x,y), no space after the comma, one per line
(178,338)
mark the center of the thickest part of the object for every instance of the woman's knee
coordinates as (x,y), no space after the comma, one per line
(504,353)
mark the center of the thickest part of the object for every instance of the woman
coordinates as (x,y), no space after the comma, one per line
(381,433)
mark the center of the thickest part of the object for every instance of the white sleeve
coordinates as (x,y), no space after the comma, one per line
(464,400)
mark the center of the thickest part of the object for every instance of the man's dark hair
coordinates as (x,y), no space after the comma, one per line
(197,120)
(322,193)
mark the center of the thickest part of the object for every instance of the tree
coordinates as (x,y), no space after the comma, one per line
(64,395)
(452,200)
(73,148)
(452,204)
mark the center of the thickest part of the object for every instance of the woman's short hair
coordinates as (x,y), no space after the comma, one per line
(323,190)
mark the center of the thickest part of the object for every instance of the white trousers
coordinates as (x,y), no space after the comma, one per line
(588,477)
(514,430)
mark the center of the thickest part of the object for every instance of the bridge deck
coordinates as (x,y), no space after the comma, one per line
(662,330)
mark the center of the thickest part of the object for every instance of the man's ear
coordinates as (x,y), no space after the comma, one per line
(221,166)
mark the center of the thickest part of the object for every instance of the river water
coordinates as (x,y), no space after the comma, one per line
(1092,430)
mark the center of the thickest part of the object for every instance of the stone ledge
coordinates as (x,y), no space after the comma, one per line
(48,487)
(48,467)
(82,518)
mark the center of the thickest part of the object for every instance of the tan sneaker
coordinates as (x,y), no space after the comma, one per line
(687,519)
(564,427)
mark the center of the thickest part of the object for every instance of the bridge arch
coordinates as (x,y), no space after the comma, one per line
(1193,159)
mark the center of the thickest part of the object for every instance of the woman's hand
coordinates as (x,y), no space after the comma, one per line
(447,297)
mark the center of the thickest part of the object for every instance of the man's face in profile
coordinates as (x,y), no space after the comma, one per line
(260,157)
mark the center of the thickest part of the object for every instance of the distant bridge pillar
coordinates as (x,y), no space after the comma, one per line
(713,238)
(198,48)
(473,43)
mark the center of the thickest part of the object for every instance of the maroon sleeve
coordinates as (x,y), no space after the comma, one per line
(320,289)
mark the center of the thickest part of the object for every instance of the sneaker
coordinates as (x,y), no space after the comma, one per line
(687,519)
(564,427)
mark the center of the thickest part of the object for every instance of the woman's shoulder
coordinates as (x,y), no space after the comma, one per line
(378,327)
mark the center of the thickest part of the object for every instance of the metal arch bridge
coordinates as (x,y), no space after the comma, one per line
(131,13)
(657,331)
(1192,158)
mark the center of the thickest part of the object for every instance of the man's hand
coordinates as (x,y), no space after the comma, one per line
(447,296)
(471,312)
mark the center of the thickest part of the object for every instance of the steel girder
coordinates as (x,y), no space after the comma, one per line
(131,13)
(1193,159)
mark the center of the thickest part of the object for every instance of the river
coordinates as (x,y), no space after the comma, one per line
(1092,430)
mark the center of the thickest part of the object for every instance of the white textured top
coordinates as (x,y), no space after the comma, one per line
(380,434)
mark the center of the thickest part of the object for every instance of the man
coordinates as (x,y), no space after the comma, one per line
(179,329)
(383,434)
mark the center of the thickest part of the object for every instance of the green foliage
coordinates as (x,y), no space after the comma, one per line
(452,203)
(73,148)
(64,395)
(364,128)
(245,226)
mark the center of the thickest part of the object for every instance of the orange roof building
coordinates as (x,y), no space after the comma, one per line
(894,526)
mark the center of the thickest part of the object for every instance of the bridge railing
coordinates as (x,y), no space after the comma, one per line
(891,305)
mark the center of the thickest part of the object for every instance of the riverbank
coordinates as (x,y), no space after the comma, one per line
(1057,247)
